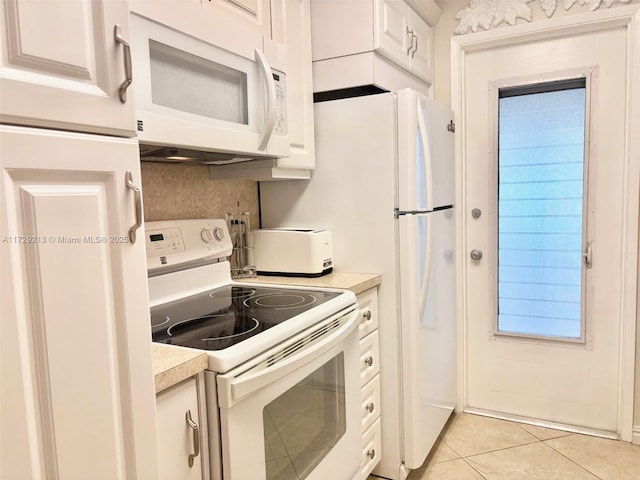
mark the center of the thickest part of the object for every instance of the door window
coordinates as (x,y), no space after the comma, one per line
(303,424)
(541,223)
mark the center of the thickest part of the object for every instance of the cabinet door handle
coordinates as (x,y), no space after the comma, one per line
(138,206)
(196,438)
(128,71)
(410,35)
(371,407)
(415,49)
(368,361)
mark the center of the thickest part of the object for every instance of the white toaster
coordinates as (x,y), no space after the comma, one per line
(300,252)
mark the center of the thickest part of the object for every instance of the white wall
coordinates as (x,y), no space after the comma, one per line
(442,93)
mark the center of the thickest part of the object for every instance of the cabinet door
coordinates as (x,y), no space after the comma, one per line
(75,370)
(222,23)
(254,14)
(62,67)
(176,436)
(422,52)
(299,85)
(392,33)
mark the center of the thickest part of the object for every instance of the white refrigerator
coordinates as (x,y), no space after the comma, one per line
(383,185)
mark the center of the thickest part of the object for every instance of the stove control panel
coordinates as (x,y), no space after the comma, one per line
(173,243)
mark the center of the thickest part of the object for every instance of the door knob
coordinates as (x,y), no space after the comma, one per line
(476,255)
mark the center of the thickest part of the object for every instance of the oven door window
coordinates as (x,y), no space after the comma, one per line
(303,424)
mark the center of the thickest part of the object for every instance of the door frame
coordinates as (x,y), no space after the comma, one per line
(624,16)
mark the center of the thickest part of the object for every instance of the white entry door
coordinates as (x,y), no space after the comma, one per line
(544,285)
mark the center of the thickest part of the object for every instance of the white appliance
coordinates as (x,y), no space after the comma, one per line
(384,186)
(303,252)
(198,102)
(283,377)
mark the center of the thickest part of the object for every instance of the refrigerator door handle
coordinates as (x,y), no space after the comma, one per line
(426,274)
(426,155)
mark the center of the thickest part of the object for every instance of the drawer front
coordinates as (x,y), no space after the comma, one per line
(369,357)
(370,406)
(371,453)
(368,302)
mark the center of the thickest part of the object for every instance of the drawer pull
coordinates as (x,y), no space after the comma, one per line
(371,407)
(367,315)
(368,361)
(371,454)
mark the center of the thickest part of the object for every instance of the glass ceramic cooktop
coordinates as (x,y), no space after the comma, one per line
(225,316)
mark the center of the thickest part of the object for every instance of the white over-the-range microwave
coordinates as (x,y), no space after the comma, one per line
(198,102)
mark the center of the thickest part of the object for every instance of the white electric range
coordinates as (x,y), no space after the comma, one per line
(282,382)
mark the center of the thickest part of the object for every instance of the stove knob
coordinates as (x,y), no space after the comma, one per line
(207,235)
(218,233)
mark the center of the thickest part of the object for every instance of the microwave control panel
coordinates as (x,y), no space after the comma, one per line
(280,126)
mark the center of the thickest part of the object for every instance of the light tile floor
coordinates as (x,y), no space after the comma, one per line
(473,447)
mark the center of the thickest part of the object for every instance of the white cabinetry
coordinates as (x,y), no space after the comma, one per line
(370,381)
(384,43)
(297,38)
(404,37)
(291,28)
(181,447)
(63,67)
(223,23)
(254,14)
(75,369)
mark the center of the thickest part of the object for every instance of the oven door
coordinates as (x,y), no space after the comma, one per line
(294,412)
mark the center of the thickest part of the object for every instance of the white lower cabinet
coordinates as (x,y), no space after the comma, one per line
(181,429)
(370,381)
(371,446)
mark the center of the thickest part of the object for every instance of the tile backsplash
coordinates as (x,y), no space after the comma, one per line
(173,191)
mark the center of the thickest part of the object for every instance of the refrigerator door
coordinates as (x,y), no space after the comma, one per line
(425,153)
(428,329)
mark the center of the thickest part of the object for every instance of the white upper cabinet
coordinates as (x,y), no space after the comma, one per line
(255,13)
(421,57)
(404,37)
(65,65)
(238,26)
(384,43)
(392,34)
(297,38)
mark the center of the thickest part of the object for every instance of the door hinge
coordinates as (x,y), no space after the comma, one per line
(451,127)
(587,255)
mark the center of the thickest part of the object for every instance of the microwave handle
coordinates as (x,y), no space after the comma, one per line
(232,388)
(270,119)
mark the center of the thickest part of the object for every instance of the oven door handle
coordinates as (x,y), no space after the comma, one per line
(269,367)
